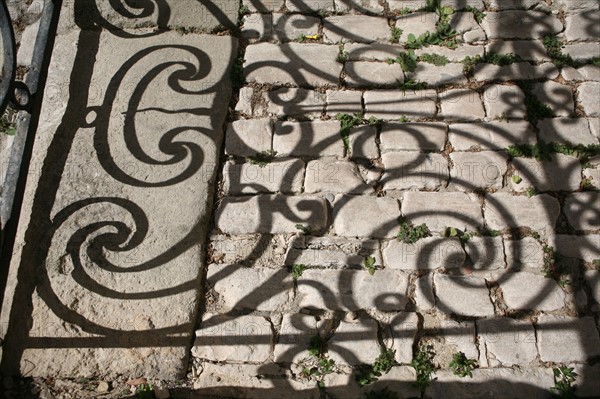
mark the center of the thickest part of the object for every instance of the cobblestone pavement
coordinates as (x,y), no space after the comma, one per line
(400,182)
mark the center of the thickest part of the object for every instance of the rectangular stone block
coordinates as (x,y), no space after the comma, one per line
(435,75)
(586,247)
(334,176)
(485,254)
(343,102)
(362,216)
(408,170)
(461,105)
(497,135)
(528,50)
(369,74)
(477,170)
(354,343)
(581,210)
(334,252)
(520,24)
(291,102)
(314,138)
(416,23)
(504,210)
(426,254)
(295,334)
(463,296)
(527,252)
(506,342)
(363,142)
(563,130)
(528,291)
(504,102)
(567,339)
(280,175)
(396,104)
(247,137)
(355,28)
(559,173)
(518,70)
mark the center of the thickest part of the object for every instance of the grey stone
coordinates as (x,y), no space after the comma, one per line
(426,254)
(408,170)
(331,175)
(27,44)
(504,101)
(258,289)
(486,253)
(513,4)
(244,104)
(373,74)
(592,279)
(506,342)
(257,26)
(378,216)
(386,290)
(587,385)
(254,250)
(517,70)
(496,135)
(372,51)
(570,5)
(524,291)
(279,175)
(476,170)
(309,5)
(461,105)
(582,26)
(413,5)
(315,138)
(264,5)
(460,4)
(415,136)
(300,103)
(399,334)
(355,28)
(441,210)
(288,27)
(528,50)
(585,247)
(528,382)
(224,338)
(557,96)
(452,337)
(294,336)
(416,23)
(454,55)
(248,137)
(559,173)
(161,393)
(592,176)
(464,296)
(343,102)
(563,130)
(354,343)
(463,22)
(526,252)
(395,104)
(435,75)
(270,214)
(363,142)
(474,36)
(332,252)
(424,296)
(567,339)
(504,210)
(582,210)
(587,95)
(586,72)
(582,51)
(519,24)
(363,6)
(311,64)
(595,126)
(398,379)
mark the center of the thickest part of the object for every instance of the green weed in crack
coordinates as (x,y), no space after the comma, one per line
(491,58)
(536,110)
(395,34)
(367,374)
(554,47)
(564,377)
(342,55)
(370,264)
(317,365)
(7,127)
(144,391)
(423,365)
(409,233)
(305,229)
(435,59)
(348,121)
(462,366)
(297,271)
(477,14)
(407,61)
(263,158)
(543,151)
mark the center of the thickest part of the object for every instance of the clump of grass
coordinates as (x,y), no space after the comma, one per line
(434,59)
(410,234)
(347,122)
(7,127)
(531,191)
(395,34)
(412,85)
(297,271)
(543,151)
(305,229)
(368,374)
(317,365)
(490,58)
(444,35)
(263,158)
(536,110)
(407,61)
(342,55)
(564,377)
(370,264)
(478,14)
(462,366)
(423,365)
(554,47)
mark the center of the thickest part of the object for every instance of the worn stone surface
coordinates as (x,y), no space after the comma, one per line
(416,23)
(557,96)
(316,138)
(475,170)
(299,103)
(224,338)
(528,50)
(399,334)
(559,173)
(464,296)
(331,175)
(441,210)
(454,55)
(520,24)
(337,252)
(486,253)
(384,104)
(527,252)
(426,254)
(586,247)
(413,170)
(378,216)
(263,6)
(563,130)
(439,75)
(592,279)
(523,291)
(506,342)
(280,175)
(587,95)
(582,26)
(287,27)
(257,26)
(366,6)
(355,28)
(354,343)
(247,137)
(504,101)
(294,336)
(373,74)
(567,339)
(424,296)
(414,136)
(363,142)
(505,73)
(372,51)
(581,210)
(504,210)
(343,102)
(309,5)
(461,105)
(398,379)
(582,51)
(496,135)
(586,72)
(249,250)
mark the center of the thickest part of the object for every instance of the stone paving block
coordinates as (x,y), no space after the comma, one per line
(399,334)
(255,250)
(248,137)
(307,6)
(354,343)
(474,36)
(441,210)
(295,335)
(495,382)
(475,170)
(557,96)
(504,210)
(355,28)
(592,176)
(460,4)
(504,101)
(413,136)
(582,26)
(263,5)
(372,51)
(288,27)
(258,289)
(386,290)
(582,210)
(571,5)
(331,175)
(524,291)
(513,4)
(270,214)
(506,342)
(398,379)
(560,173)
(586,72)
(582,51)
(426,254)
(408,170)
(586,247)
(518,70)
(413,5)
(424,296)
(563,130)
(306,64)
(279,175)
(244,104)
(520,24)
(528,50)
(496,135)
(315,138)
(595,127)
(439,75)
(463,22)
(461,105)
(362,6)
(567,339)
(454,55)
(486,253)
(526,252)
(257,26)
(373,74)
(363,142)
(453,337)
(336,252)
(464,296)
(378,216)
(416,23)
(293,102)
(395,104)
(343,102)
(588,385)
(27,44)
(225,338)
(587,95)
(592,279)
